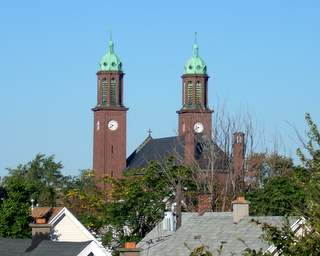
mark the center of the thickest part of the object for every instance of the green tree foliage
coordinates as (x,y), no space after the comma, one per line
(280,195)
(40,180)
(285,240)
(201,251)
(137,202)
(86,201)
(263,166)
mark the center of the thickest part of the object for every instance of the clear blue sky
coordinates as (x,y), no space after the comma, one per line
(261,55)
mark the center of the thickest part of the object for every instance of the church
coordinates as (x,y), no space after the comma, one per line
(192,146)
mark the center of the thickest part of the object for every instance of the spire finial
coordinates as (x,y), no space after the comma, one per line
(110,42)
(195,50)
(110,35)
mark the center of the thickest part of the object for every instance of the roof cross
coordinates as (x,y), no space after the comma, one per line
(149,132)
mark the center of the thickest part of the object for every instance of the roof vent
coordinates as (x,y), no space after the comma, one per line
(169,222)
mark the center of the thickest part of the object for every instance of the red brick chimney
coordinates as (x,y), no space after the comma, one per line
(130,249)
(238,153)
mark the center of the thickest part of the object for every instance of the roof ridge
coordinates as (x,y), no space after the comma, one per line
(143,143)
(169,137)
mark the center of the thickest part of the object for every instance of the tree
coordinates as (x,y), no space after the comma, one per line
(41,180)
(216,173)
(137,202)
(15,211)
(262,166)
(284,239)
(86,201)
(279,196)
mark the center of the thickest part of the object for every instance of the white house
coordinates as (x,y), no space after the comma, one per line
(63,226)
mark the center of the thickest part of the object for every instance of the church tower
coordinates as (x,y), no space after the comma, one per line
(109,136)
(195,117)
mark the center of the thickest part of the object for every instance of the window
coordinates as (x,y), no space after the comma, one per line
(104,92)
(189,94)
(198,93)
(113,92)
(184,94)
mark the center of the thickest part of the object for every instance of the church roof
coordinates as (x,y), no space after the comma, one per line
(160,149)
(157,150)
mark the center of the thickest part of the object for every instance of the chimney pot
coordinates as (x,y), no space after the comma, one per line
(130,245)
(41,221)
(129,249)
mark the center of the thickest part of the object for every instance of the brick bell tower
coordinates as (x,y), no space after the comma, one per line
(195,117)
(109,136)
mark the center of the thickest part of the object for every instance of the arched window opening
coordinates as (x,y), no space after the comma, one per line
(184,94)
(113,92)
(104,91)
(198,93)
(189,94)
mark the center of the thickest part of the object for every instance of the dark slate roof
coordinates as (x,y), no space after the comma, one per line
(210,229)
(162,148)
(18,247)
(157,150)
(13,247)
(50,248)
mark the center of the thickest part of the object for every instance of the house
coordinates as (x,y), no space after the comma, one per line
(63,226)
(234,231)
(55,231)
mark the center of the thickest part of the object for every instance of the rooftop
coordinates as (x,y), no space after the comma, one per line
(211,229)
(18,247)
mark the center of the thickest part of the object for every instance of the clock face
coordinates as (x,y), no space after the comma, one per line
(113,125)
(198,127)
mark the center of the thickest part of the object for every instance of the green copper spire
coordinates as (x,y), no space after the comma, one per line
(195,65)
(110,61)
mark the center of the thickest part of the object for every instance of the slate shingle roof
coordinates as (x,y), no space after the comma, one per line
(162,148)
(50,248)
(18,247)
(210,229)
(13,247)
(155,149)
